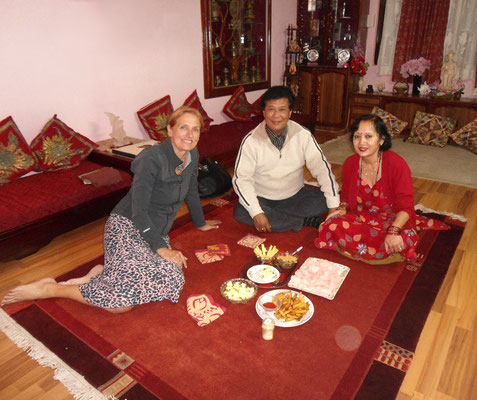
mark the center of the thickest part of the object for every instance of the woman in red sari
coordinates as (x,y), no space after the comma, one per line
(375,222)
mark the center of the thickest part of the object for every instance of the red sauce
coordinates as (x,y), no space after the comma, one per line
(269,305)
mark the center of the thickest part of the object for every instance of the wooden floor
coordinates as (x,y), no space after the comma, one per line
(445,365)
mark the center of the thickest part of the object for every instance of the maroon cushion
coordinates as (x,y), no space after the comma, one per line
(16,158)
(194,102)
(33,197)
(257,107)
(225,137)
(59,147)
(238,108)
(155,116)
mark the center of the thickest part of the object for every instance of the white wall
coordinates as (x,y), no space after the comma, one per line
(80,58)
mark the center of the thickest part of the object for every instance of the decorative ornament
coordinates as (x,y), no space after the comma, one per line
(117,130)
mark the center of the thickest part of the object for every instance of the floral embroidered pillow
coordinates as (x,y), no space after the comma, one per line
(59,147)
(194,102)
(16,158)
(467,136)
(155,116)
(393,124)
(431,129)
(238,108)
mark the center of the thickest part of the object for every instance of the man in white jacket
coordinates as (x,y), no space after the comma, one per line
(269,175)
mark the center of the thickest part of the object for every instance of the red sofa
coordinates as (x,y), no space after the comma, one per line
(36,208)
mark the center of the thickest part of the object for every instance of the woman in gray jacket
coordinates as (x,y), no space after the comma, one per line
(139,264)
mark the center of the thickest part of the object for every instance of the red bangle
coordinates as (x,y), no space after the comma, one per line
(393,230)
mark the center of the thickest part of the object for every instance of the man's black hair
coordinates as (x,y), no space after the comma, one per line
(278,92)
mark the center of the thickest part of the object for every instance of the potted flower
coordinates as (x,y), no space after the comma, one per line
(415,67)
(359,67)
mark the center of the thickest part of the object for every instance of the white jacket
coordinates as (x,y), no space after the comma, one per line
(263,170)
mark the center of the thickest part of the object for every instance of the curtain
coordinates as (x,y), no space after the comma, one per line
(461,36)
(421,33)
(392,15)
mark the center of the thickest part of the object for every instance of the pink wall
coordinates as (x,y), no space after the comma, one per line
(372,76)
(80,58)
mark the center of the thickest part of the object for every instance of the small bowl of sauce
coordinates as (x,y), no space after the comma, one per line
(269,303)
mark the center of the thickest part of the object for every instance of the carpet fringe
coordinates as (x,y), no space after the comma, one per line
(424,209)
(72,380)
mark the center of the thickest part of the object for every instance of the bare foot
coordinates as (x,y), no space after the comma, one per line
(32,291)
(96,270)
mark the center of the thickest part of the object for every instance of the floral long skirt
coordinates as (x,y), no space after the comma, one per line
(360,233)
(133,274)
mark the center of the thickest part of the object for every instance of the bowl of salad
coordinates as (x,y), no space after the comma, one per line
(238,290)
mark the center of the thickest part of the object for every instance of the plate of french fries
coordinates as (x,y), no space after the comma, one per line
(296,308)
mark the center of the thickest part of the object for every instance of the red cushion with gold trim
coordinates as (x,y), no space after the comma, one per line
(16,158)
(154,118)
(194,102)
(238,108)
(58,146)
(257,107)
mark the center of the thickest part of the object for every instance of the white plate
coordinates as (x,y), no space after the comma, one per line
(284,324)
(253,273)
(342,271)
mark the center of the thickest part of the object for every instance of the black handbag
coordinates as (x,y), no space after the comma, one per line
(213,179)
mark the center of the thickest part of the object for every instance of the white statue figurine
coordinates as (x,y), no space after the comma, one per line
(117,132)
(448,72)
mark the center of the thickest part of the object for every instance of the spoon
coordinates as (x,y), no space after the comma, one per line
(297,250)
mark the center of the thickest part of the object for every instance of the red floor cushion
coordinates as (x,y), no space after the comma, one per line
(30,198)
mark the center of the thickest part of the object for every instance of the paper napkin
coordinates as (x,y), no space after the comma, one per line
(205,256)
(251,241)
(203,309)
(220,248)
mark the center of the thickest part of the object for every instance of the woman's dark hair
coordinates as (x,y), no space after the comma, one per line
(278,92)
(380,127)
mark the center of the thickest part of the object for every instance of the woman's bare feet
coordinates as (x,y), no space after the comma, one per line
(96,270)
(32,291)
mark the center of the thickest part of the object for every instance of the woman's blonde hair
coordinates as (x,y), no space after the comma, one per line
(185,110)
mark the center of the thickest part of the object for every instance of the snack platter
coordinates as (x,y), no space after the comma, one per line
(282,280)
(263,273)
(280,322)
(320,277)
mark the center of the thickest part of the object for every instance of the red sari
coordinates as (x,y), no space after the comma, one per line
(360,233)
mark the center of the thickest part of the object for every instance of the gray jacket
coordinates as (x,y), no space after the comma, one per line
(157,193)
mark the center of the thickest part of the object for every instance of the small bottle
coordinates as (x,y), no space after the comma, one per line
(267,328)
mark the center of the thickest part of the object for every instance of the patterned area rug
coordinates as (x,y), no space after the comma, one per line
(358,342)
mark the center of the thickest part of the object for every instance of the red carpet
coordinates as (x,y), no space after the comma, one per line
(158,351)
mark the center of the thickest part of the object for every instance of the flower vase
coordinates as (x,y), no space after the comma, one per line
(416,85)
(360,83)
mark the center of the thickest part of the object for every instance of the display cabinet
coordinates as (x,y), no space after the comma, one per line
(327,28)
(323,96)
(236,45)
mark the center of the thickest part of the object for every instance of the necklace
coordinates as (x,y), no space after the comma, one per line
(180,167)
(375,169)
